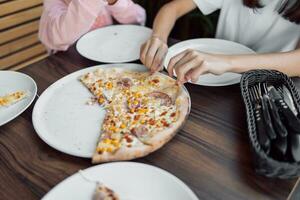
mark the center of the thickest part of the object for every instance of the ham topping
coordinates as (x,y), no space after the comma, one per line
(165,100)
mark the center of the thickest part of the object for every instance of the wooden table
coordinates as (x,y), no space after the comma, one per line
(211,153)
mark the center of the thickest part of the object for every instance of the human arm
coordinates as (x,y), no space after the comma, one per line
(62,24)
(190,64)
(286,62)
(155,49)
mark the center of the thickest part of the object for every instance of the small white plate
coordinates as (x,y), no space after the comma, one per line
(114,44)
(10,82)
(64,121)
(215,46)
(132,181)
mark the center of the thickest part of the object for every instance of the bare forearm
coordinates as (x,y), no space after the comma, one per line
(163,23)
(167,16)
(288,62)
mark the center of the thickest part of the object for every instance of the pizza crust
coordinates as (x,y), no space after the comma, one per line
(104,193)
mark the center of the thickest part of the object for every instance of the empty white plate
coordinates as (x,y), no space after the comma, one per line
(10,82)
(114,44)
(132,181)
(216,46)
(62,118)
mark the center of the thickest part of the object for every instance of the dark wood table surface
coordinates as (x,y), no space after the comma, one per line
(211,153)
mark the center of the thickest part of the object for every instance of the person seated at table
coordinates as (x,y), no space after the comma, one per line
(65,21)
(268,27)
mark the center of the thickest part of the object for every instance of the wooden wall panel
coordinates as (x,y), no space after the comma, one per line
(19,43)
(17,5)
(20,17)
(19,31)
(22,56)
(29,62)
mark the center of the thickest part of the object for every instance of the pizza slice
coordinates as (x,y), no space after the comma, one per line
(104,193)
(12,98)
(103,83)
(143,113)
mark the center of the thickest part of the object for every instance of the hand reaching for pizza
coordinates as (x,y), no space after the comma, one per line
(190,64)
(111,2)
(153,53)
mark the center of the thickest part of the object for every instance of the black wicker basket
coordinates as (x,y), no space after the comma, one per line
(265,165)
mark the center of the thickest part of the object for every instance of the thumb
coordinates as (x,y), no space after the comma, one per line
(197,72)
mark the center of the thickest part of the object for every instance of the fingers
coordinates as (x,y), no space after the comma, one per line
(143,52)
(152,53)
(194,74)
(186,58)
(197,72)
(174,60)
(159,58)
(154,46)
(182,71)
(188,65)
(111,2)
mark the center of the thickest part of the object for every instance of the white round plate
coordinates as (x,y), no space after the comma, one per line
(10,82)
(132,181)
(62,118)
(114,44)
(215,46)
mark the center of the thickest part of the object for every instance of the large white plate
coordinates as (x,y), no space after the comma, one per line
(64,121)
(216,46)
(114,44)
(10,82)
(132,181)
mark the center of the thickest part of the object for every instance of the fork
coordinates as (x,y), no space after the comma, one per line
(265,113)
(278,125)
(279,145)
(263,139)
(288,110)
(292,122)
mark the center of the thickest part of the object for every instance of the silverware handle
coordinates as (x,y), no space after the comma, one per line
(262,136)
(292,122)
(267,118)
(278,125)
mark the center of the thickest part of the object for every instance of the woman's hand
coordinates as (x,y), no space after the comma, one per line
(153,52)
(190,64)
(111,2)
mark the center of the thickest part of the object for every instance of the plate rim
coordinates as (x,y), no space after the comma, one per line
(35,111)
(103,29)
(126,163)
(31,100)
(197,40)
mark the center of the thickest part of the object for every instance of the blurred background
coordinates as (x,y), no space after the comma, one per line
(19,19)
(193,25)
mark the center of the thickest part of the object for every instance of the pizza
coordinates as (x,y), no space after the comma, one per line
(12,98)
(104,193)
(143,111)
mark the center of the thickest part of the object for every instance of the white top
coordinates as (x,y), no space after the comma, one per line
(262,30)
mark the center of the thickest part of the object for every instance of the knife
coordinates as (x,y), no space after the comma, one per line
(262,135)
(294,139)
(289,100)
(292,122)
(267,118)
(277,123)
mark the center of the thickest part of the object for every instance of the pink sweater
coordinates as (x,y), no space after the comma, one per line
(63,22)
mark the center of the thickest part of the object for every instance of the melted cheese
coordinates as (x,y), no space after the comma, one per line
(129,108)
(12,98)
